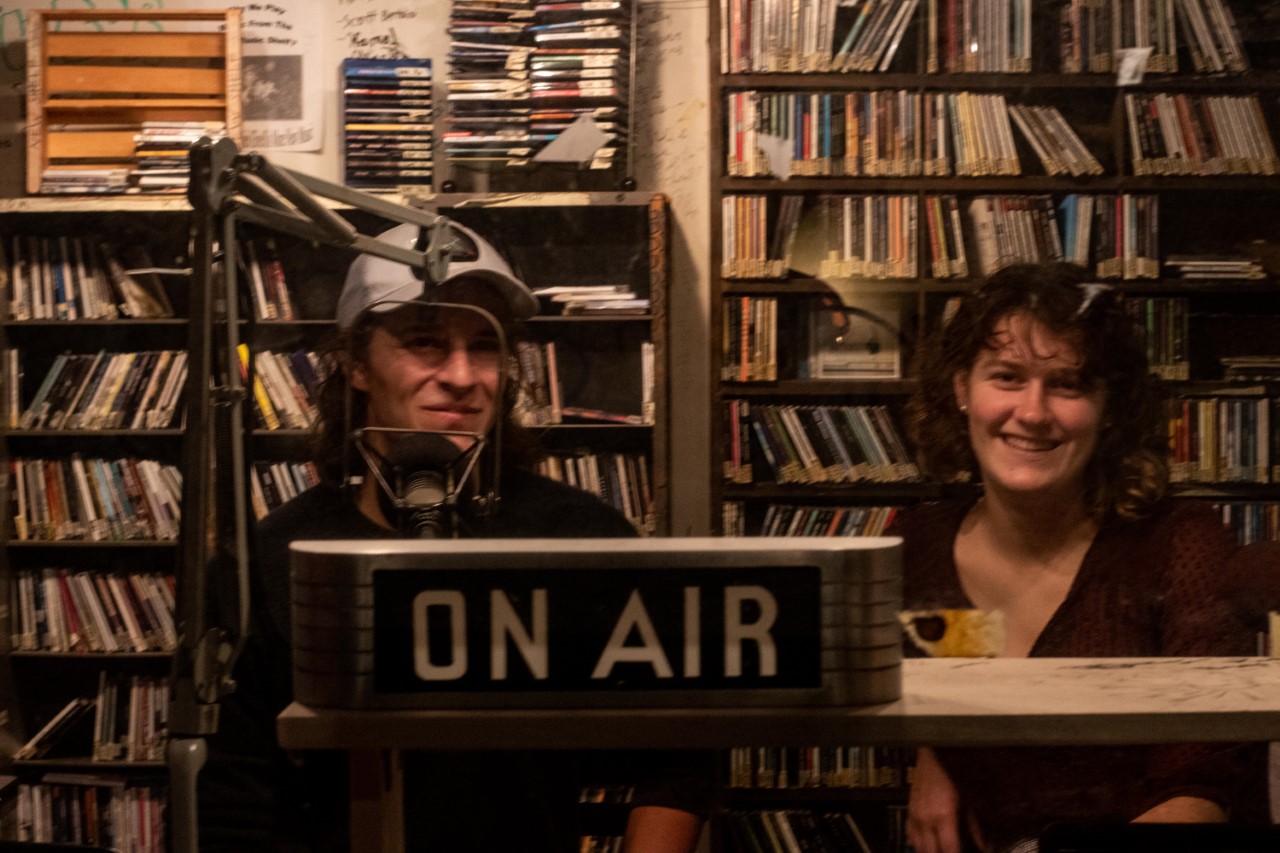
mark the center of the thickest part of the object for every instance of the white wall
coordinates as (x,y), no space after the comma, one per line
(669,137)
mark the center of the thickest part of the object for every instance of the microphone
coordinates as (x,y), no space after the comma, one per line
(422,473)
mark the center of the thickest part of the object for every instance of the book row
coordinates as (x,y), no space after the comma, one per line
(872,236)
(876,236)
(61,610)
(284,387)
(830,36)
(1092,32)
(596,300)
(70,278)
(619,479)
(105,390)
(973,35)
(273,484)
(522,74)
(895,133)
(1223,439)
(104,811)
(387,122)
(814,444)
(1179,134)
(749,339)
(787,830)
(819,766)
(1252,522)
(1114,235)
(542,400)
(95,500)
(796,520)
(898,133)
(130,722)
(1164,320)
(268,292)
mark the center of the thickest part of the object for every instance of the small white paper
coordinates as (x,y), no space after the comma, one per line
(1132,65)
(777,150)
(577,143)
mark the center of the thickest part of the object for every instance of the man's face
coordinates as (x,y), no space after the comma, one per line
(431,368)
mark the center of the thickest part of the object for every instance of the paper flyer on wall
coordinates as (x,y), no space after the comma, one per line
(283,96)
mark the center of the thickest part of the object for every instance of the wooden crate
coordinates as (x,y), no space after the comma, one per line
(95,76)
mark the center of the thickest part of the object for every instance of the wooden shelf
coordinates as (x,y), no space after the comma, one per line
(114,80)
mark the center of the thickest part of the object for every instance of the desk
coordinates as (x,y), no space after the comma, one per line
(946,702)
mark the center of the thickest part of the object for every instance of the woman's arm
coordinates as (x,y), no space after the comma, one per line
(659,829)
(1184,810)
(933,808)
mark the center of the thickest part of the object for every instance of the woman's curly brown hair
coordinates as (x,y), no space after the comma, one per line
(1129,471)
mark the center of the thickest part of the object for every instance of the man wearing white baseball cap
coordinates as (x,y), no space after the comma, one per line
(408,359)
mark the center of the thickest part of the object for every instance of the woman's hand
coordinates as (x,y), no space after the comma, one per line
(933,808)
(1184,810)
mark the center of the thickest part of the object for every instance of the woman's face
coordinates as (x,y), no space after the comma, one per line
(1033,422)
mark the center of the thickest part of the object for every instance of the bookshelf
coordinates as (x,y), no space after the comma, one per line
(50,669)
(846,186)
(89,599)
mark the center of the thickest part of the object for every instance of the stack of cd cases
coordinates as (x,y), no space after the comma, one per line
(522,72)
(387,124)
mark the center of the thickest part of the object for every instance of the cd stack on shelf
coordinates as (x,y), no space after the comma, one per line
(387,123)
(522,73)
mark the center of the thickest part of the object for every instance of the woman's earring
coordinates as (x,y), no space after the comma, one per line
(964,410)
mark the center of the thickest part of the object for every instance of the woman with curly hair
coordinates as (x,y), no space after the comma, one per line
(1038,389)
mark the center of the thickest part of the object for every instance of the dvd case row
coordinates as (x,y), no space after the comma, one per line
(268,291)
(882,133)
(795,520)
(130,722)
(156,160)
(284,387)
(523,73)
(60,610)
(783,830)
(876,236)
(388,124)
(749,339)
(105,390)
(1224,439)
(819,767)
(96,500)
(1164,322)
(273,484)
(814,444)
(619,479)
(70,278)
(963,36)
(1180,134)
(1094,31)
(542,402)
(836,36)
(1252,521)
(105,811)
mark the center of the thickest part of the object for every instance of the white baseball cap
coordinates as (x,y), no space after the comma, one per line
(378,284)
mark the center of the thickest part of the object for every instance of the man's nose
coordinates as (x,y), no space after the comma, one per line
(457,368)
